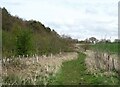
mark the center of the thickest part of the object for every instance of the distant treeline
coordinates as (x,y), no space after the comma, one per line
(95,40)
(22,37)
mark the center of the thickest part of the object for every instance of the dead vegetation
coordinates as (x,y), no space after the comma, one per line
(35,70)
(105,62)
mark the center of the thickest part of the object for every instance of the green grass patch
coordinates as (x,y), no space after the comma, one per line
(106,47)
(74,73)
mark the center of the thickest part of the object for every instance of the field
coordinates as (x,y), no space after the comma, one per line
(106,47)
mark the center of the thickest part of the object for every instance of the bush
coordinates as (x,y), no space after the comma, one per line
(86,46)
(24,43)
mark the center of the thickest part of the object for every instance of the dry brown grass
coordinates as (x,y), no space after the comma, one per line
(42,66)
(98,61)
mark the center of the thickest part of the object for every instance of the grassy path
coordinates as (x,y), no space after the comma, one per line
(74,72)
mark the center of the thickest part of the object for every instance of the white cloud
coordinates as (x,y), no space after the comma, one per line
(79,18)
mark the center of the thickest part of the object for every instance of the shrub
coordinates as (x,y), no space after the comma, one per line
(86,46)
(24,43)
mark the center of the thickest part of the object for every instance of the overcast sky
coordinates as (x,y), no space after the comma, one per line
(77,18)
